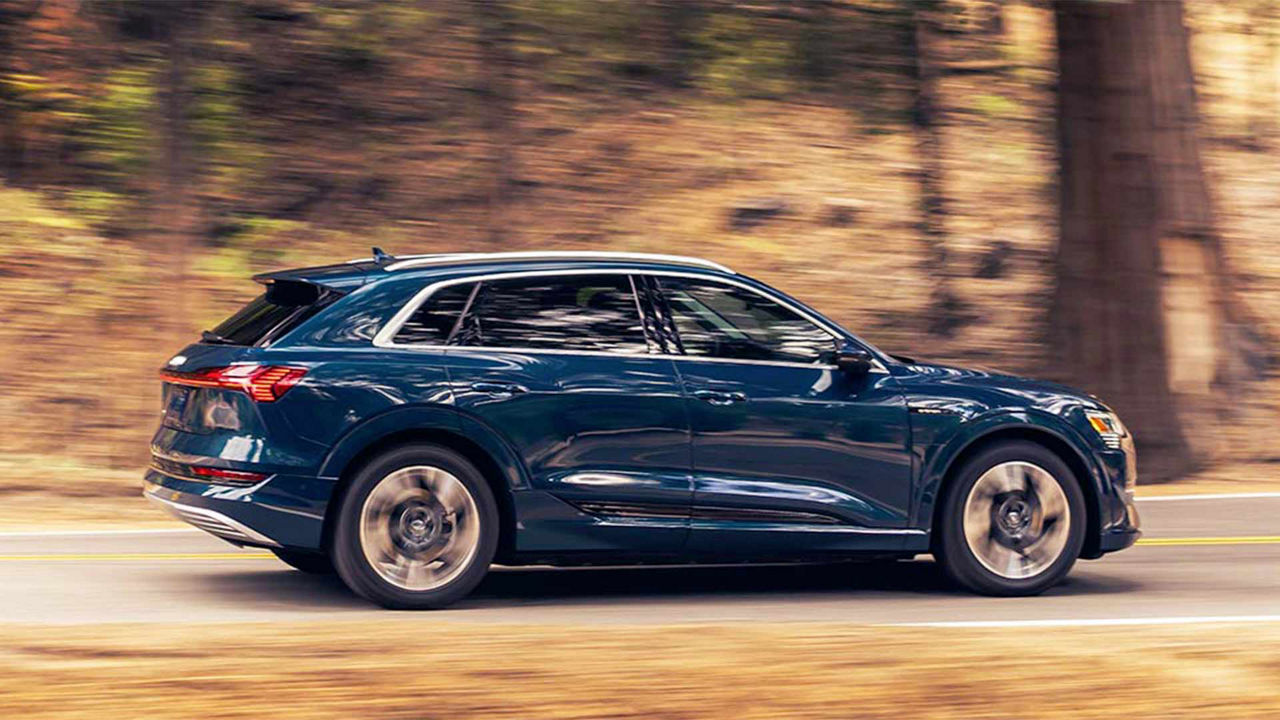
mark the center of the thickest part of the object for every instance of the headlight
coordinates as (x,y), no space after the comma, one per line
(1108,427)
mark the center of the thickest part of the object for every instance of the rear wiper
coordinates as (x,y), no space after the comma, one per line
(210,336)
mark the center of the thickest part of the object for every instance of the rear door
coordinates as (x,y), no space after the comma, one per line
(561,366)
(789,452)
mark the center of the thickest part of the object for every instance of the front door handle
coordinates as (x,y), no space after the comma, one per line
(499,388)
(720,397)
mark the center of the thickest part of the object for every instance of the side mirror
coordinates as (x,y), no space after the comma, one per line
(853,360)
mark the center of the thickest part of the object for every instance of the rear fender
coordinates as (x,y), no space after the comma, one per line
(408,421)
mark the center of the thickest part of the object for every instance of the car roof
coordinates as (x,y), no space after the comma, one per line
(363,270)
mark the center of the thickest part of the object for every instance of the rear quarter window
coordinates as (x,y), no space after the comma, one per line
(434,321)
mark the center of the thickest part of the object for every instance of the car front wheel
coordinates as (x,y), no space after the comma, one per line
(1012,521)
(417,528)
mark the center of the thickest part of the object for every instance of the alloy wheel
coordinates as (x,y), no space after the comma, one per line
(1017,520)
(419,528)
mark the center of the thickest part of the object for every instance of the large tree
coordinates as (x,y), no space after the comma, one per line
(498,65)
(927,123)
(1143,310)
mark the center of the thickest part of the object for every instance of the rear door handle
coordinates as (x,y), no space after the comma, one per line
(720,397)
(499,388)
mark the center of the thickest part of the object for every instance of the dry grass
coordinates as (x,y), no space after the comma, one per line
(1240,477)
(55,492)
(423,668)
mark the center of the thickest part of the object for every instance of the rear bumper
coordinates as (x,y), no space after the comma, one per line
(211,521)
(282,511)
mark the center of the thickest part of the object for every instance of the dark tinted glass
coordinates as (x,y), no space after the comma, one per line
(725,321)
(435,318)
(265,319)
(595,313)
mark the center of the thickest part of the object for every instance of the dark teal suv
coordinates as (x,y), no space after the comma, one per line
(407,421)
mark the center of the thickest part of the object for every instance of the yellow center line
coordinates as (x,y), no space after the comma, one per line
(142,556)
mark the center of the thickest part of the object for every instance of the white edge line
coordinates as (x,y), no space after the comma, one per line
(1214,496)
(71,533)
(1093,622)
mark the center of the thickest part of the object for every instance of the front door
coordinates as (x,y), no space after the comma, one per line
(789,453)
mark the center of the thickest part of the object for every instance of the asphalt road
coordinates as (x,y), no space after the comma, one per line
(1202,559)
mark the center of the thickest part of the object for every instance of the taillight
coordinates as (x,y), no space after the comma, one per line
(264,383)
(214,474)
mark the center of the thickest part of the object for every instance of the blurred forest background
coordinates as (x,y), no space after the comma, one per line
(908,167)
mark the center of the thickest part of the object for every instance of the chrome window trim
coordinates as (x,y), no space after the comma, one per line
(460,258)
(385,337)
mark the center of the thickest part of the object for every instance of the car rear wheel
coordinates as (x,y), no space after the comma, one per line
(308,562)
(1012,522)
(417,528)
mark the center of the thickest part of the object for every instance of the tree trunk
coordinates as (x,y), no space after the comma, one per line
(945,311)
(679,20)
(1260,36)
(1143,312)
(498,88)
(12,139)
(174,170)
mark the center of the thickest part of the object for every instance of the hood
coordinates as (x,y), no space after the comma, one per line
(995,388)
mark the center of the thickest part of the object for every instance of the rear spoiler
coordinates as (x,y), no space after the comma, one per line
(281,291)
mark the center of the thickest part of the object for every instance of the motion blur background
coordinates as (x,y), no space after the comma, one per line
(898,164)
(1080,190)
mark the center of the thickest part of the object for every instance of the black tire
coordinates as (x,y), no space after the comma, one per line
(348,553)
(952,549)
(313,563)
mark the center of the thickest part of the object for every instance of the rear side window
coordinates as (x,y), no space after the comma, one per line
(284,306)
(433,322)
(587,313)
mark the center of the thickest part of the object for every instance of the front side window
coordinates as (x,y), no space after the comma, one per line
(725,321)
(585,313)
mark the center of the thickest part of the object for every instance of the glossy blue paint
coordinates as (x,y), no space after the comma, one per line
(587,427)
(619,456)
(801,438)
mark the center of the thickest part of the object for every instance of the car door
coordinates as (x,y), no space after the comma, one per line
(789,452)
(560,367)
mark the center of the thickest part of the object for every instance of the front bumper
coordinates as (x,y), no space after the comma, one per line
(1119,525)
(282,511)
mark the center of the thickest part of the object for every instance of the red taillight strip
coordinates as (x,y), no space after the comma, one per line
(221,474)
(263,383)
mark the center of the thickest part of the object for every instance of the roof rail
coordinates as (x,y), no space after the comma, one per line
(474,258)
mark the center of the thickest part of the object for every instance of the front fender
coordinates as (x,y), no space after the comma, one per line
(939,460)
